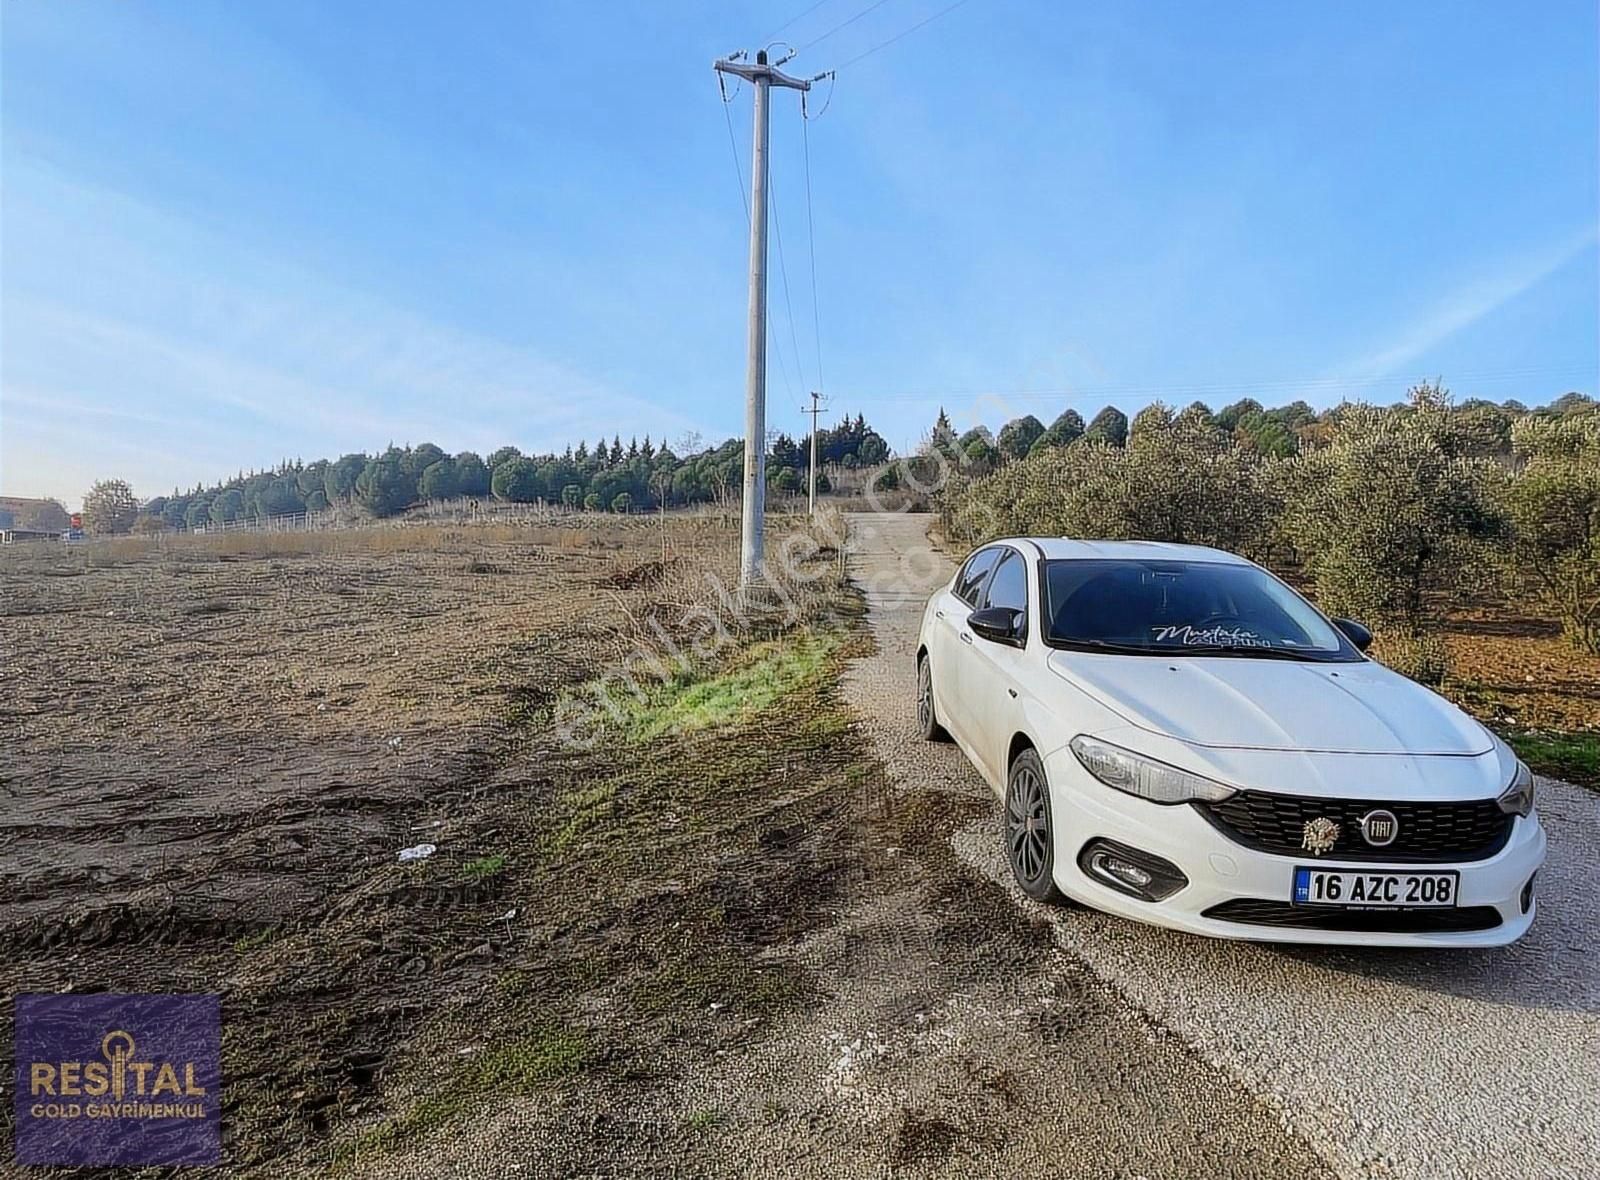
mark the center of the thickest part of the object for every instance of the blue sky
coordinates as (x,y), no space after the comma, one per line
(234,233)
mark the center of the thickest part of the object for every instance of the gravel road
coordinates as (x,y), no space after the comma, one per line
(1388,1063)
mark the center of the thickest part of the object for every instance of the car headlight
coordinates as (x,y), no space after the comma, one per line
(1517,799)
(1144,777)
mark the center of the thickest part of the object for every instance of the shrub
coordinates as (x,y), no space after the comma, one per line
(1421,657)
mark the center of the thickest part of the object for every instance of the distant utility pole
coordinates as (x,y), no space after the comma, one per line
(816,408)
(762,77)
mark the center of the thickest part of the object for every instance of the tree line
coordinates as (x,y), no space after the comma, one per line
(1391,512)
(607,476)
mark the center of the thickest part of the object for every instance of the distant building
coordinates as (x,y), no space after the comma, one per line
(29,515)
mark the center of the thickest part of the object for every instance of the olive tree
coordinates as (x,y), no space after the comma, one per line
(1389,522)
(1178,479)
(1553,502)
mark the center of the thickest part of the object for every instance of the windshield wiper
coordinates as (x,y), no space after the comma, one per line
(1105,645)
(1244,649)
(1235,650)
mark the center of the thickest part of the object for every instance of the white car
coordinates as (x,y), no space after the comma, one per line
(1182,739)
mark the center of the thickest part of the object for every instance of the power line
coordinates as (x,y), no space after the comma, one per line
(738,176)
(1239,389)
(788,306)
(733,144)
(844,24)
(811,239)
(770,37)
(904,33)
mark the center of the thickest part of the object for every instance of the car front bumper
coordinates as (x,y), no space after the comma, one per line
(1220,869)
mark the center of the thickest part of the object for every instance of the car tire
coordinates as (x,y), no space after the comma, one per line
(1029,829)
(927,718)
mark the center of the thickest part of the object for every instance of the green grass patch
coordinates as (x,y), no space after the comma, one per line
(1574,757)
(585,809)
(538,1059)
(692,700)
(255,939)
(702,1120)
(484,867)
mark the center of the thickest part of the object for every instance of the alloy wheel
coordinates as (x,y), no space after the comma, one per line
(925,696)
(1027,825)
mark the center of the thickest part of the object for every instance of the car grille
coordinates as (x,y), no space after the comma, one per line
(1260,912)
(1427,831)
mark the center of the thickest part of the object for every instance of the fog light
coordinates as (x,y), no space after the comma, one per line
(1106,865)
(1527,894)
(1130,870)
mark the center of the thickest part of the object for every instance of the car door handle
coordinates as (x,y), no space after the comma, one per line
(938,614)
(1013,693)
(966,638)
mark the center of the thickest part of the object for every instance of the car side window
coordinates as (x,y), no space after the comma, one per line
(1009,586)
(972,574)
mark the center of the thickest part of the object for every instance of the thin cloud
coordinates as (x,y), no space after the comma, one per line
(1468,305)
(155,329)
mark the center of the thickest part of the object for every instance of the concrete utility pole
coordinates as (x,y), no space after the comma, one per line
(762,77)
(815,409)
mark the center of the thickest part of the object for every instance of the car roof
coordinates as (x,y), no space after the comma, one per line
(1067,548)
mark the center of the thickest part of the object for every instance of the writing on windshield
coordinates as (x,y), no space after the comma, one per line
(1156,606)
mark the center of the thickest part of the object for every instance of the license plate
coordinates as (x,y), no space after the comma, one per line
(1374,891)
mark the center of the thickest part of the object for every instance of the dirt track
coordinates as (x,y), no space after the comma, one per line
(1436,1064)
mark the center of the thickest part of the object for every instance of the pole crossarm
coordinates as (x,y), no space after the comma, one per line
(761,69)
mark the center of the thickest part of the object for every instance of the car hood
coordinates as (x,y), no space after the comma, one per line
(1353,708)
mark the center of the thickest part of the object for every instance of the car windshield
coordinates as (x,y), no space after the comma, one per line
(1153,607)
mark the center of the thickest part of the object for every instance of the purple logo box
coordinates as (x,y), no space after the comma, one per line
(108,1079)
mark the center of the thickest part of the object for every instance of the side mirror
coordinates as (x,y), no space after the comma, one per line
(1355,632)
(998,624)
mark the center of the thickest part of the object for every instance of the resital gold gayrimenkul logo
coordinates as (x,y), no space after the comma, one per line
(134,1088)
(118,1079)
